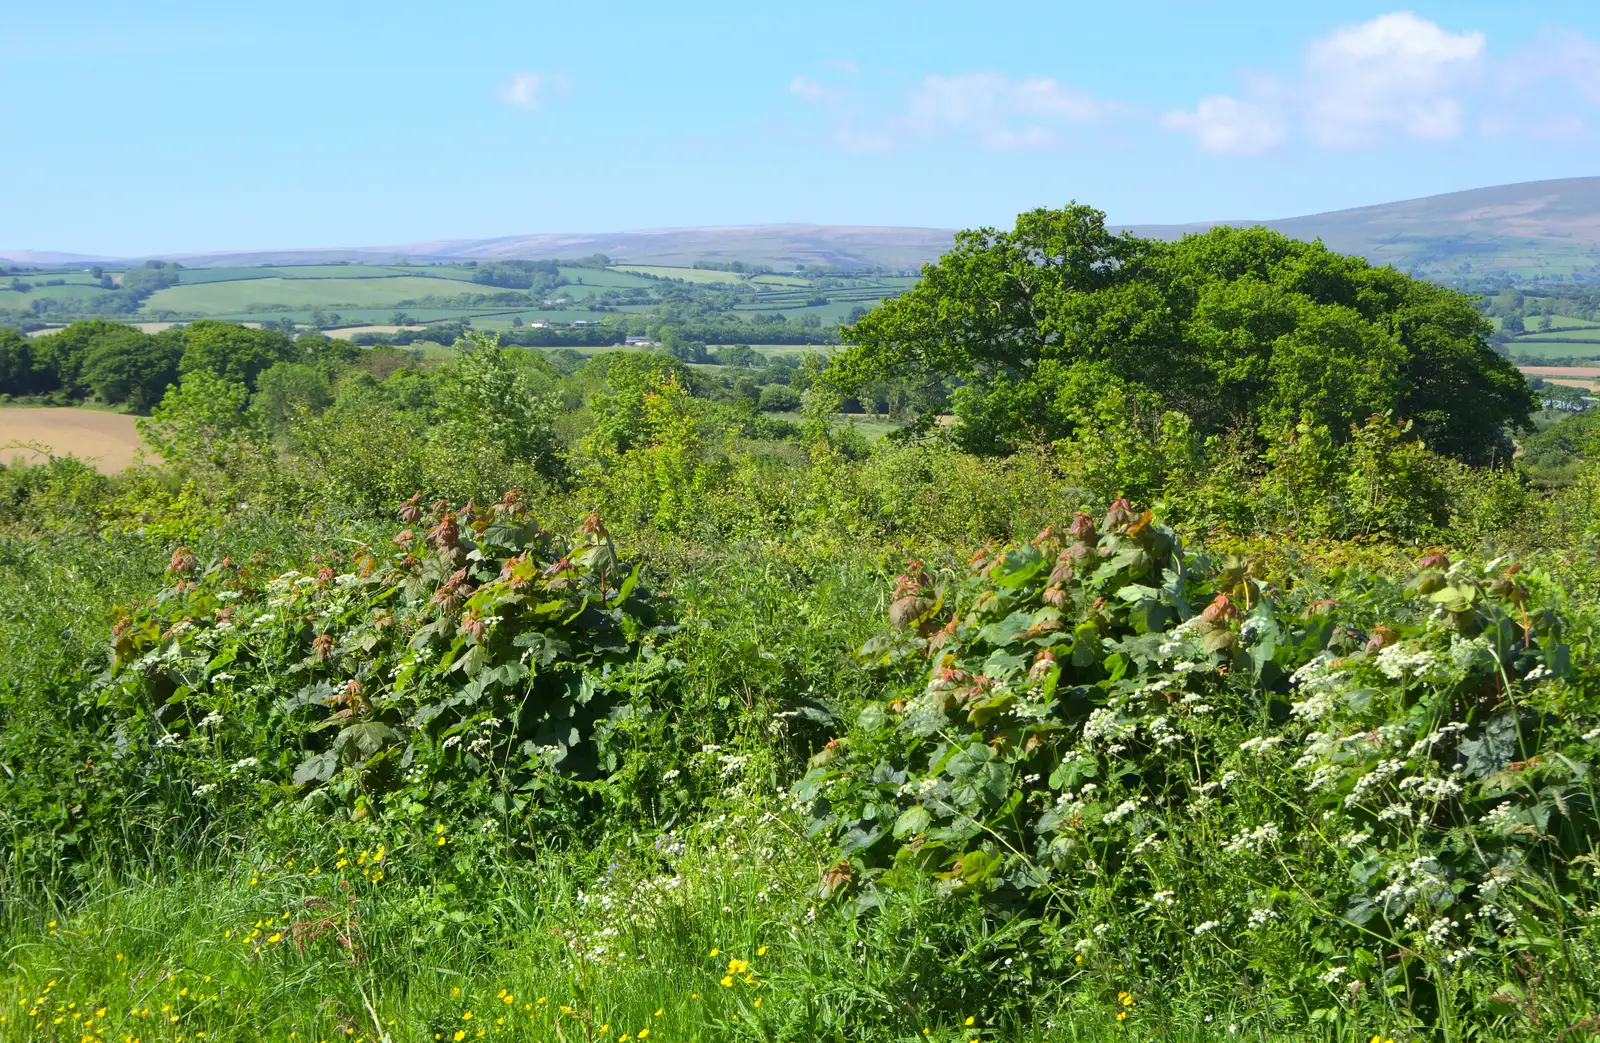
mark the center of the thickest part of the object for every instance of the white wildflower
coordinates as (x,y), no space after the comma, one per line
(1381,773)
(1406,659)
(1261,917)
(1261,745)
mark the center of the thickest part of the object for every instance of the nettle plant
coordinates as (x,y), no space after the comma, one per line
(1161,749)
(476,660)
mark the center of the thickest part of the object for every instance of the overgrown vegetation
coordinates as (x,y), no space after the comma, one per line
(558,698)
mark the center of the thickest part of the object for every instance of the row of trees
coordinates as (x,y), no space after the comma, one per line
(119,364)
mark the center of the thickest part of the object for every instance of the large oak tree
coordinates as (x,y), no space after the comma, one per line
(1239,328)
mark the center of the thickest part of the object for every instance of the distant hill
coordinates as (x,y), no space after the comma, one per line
(781,246)
(1529,230)
(1525,230)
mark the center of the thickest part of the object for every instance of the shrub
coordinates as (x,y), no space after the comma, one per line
(474,667)
(1169,758)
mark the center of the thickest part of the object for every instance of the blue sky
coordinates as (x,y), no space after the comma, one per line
(177,126)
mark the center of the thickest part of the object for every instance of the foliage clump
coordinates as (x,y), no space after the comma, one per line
(475,661)
(1150,752)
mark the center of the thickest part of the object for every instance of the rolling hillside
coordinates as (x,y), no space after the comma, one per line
(1538,227)
(1526,230)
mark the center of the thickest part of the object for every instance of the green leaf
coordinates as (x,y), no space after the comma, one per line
(1018,566)
(912,821)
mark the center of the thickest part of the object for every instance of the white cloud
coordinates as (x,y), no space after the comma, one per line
(813,92)
(532,90)
(844,65)
(1231,127)
(997,111)
(1397,72)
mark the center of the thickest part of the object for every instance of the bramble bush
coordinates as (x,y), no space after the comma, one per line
(476,664)
(1338,789)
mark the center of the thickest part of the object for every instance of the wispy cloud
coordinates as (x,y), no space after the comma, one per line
(533,90)
(1395,74)
(1232,126)
(1563,55)
(992,109)
(844,65)
(814,92)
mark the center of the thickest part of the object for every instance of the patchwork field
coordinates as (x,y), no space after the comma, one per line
(110,439)
(289,293)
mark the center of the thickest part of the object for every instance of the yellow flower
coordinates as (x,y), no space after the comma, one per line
(659,1010)
(439,828)
(507,998)
(182,992)
(758,1001)
(467,1016)
(761,951)
(1078,958)
(727,982)
(460,1035)
(971,1020)
(274,939)
(225,934)
(715,950)
(441,842)
(455,991)
(1122,1015)
(644,1033)
(694,995)
(737,966)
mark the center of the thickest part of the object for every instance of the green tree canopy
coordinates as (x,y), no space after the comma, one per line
(132,366)
(1236,328)
(233,352)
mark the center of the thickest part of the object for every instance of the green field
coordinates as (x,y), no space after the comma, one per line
(695,275)
(605,277)
(370,294)
(1589,334)
(245,294)
(75,292)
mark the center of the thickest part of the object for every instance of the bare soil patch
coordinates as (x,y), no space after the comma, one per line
(1586,372)
(109,439)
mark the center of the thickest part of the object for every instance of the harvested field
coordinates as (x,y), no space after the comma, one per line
(346,332)
(1586,377)
(108,438)
(1582,372)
